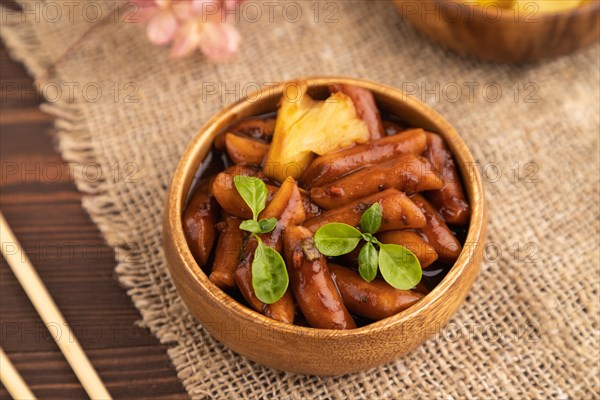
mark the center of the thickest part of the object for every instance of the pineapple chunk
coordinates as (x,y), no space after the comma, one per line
(306,127)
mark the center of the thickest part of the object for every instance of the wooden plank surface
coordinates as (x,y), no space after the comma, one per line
(42,205)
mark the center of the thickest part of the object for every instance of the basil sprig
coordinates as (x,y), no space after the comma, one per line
(253,191)
(336,239)
(269,275)
(398,265)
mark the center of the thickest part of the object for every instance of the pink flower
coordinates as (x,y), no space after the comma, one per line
(219,41)
(191,25)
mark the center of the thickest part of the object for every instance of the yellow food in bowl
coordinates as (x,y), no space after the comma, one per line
(545,6)
(306,127)
(303,349)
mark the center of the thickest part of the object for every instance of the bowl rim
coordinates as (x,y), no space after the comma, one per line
(589,6)
(178,192)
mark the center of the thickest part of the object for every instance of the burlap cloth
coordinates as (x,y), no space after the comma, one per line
(529,328)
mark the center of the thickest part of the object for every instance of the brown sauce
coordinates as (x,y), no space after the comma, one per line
(216,161)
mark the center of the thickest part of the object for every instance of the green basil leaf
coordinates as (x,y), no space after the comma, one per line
(253,191)
(369,238)
(336,239)
(367,262)
(267,224)
(269,275)
(370,221)
(251,225)
(399,266)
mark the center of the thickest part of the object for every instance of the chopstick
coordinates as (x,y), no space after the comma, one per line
(49,312)
(12,381)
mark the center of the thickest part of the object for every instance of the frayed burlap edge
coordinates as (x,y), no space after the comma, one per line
(75,143)
(504,374)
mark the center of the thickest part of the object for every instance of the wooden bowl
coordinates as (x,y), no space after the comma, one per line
(495,34)
(308,350)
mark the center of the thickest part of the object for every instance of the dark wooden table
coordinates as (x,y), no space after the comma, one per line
(42,205)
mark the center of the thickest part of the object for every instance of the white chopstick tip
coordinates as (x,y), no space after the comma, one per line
(46,308)
(12,380)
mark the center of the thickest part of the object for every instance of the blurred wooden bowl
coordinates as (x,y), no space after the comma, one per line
(308,350)
(492,33)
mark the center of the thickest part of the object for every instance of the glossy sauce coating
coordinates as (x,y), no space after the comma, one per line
(450,200)
(412,241)
(355,178)
(282,310)
(330,167)
(391,127)
(376,299)
(287,207)
(227,253)
(226,194)
(257,128)
(313,287)
(243,274)
(310,208)
(399,212)
(437,232)
(406,238)
(199,219)
(245,151)
(364,102)
(408,173)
